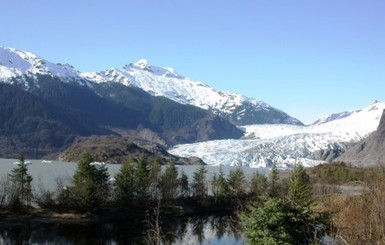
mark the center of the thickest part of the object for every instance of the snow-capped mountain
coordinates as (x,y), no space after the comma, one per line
(18,66)
(22,68)
(288,144)
(165,81)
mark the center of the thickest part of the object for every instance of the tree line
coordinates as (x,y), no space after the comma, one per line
(140,182)
(271,209)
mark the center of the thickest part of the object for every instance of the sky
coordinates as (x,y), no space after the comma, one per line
(308,58)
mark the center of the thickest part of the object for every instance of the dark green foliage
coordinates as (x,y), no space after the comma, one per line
(169,183)
(21,184)
(137,182)
(275,187)
(91,186)
(274,219)
(184,189)
(142,180)
(199,185)
(300,190)
(258,185)
(278,221)
(124,184)
(220,185)
(237,183)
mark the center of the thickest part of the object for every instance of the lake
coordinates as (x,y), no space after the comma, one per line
(210,230)
(46,173)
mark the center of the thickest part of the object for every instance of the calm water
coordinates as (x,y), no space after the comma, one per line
(46,174)
(182,230)
(194,230)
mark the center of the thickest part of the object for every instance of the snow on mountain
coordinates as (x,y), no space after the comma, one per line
(22,68)
(20,64)
(165,81)
(332,117)
(288,144)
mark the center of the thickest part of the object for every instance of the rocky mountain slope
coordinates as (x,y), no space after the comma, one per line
(35,91)
(370,150)
(18,67)
(288,144)
(165,81)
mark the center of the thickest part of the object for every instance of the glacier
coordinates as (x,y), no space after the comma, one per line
(287,145)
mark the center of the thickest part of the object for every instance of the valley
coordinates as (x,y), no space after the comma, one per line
(51,110)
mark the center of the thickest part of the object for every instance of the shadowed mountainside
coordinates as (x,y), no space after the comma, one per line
(369,151)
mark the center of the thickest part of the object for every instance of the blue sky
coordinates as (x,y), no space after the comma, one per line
(306,57)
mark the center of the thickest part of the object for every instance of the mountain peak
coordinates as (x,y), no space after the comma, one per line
(142,63)
(15,63)
(376,102)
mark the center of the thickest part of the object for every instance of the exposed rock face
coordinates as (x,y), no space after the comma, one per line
(115,149)
(370,151)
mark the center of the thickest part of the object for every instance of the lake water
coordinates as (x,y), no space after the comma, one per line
(208,230)
(46,173)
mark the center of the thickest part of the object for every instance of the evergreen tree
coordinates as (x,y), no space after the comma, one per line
(169,183)
(124,184)
(154,179)
(274,190)
(21,184)
(237,182)
(279,221)
(258,184)
(220,186)
(142,180)
(199,185)
(184,189)
(90,184)
(299,186)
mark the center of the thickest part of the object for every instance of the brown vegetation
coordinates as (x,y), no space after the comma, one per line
(357,219)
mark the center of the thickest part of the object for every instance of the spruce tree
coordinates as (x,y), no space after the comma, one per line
(124,184)
(184,188)
(142,180)
(220,186)
(237,182)
(90,184)
(199,185)
(258,184)
(274,190)
(169,183)
(154,179)
(299,186)
(21,184)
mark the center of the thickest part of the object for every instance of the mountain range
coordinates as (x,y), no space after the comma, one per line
(45,106)
(52,110)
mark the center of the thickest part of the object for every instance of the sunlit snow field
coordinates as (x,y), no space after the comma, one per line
(286,144)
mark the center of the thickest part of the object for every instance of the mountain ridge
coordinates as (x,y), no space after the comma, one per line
(90,106)
(165,81)
(370,150)
(18,66)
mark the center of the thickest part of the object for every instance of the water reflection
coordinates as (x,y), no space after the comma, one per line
(182,230)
